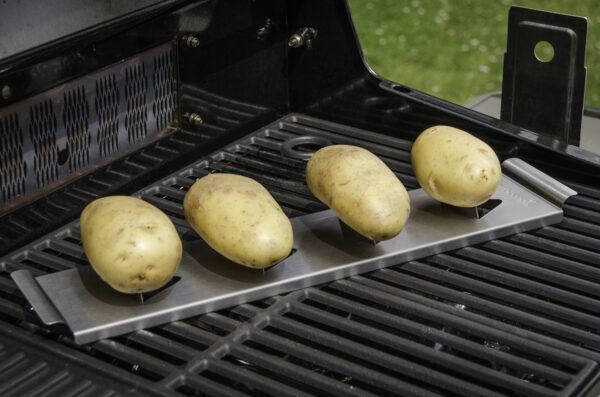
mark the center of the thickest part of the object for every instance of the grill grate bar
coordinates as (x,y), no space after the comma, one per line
(48,260)
(191,333)
(218,321)
(81,388)
(549,276)
(165,205)
(567,266)
(251,379)
(379,150)
(164,345)
(581,213)
(441,344)
(68,248)
(196,385)
(585,201)
(12,309)
(486,288)
(556,248)
(46,386)
(430,336)
(137,359)
(368,376)
(441,313)
(566,236)
(304,378)
(407,367)
(18,376)
(388,141)
(269,172)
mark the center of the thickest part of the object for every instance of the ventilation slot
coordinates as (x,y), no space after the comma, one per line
(13,168)
(136,118)
(163,105)
(42,131)
(107,104)
(76,116)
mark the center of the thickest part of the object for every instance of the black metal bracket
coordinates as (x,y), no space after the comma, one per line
(544,92)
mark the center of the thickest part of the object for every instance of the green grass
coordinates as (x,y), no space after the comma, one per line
(454,49)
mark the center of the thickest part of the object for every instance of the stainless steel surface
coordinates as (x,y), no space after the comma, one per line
(58,135)
(92,310)
(536,180)
(36,297)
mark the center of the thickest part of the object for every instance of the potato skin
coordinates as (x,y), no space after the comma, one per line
(131,244)
(360,189)
(239,218)
(454,167)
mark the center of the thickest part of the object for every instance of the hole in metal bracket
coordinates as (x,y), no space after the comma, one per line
(544,51)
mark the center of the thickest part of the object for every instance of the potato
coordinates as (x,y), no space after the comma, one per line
(131,244)
(454,167)
(360,189)
(239,219)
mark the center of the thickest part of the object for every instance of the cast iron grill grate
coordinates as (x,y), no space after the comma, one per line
(513,316)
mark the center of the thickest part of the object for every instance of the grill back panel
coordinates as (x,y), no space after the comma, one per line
(60,134)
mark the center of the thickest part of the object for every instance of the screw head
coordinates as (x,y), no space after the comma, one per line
(191,41)
(295,41)
(193,118)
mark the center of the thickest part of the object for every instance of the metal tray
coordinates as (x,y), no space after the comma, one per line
(324,250)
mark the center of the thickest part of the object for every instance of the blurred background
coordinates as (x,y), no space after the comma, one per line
(454,49)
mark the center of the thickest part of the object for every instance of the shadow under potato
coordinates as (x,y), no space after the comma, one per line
(216,263)
(105,293)
(340,236)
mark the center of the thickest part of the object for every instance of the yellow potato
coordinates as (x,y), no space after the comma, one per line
(239,218)
(131,244)
(360,189)
(455,167)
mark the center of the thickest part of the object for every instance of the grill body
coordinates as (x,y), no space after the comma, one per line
(116,108)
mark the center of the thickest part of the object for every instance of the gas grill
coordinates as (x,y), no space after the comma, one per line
(145,102)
